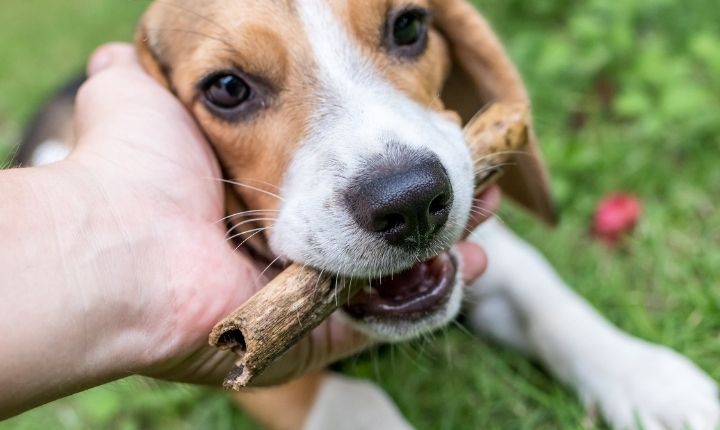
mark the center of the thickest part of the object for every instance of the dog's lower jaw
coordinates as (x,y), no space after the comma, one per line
(397,329)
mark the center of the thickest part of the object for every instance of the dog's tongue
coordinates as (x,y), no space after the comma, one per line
(417,290)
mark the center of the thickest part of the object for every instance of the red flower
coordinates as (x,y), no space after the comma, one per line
(615,217)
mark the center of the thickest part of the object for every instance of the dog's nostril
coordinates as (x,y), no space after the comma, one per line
(439,204)
(389,222)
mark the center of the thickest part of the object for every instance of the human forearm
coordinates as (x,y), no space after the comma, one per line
(62,329)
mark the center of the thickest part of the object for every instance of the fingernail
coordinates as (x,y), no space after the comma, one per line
(101,60)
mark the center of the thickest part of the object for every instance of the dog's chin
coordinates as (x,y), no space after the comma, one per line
(405,305)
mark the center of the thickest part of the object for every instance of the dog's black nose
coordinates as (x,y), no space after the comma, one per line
(406,203)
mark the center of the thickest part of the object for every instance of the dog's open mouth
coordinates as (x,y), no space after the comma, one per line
(411,294)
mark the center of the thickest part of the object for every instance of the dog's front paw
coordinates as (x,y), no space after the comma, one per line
(644,386)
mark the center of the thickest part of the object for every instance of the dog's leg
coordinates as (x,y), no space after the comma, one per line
(522,302)
(353,404)
(283,407)
(323,401)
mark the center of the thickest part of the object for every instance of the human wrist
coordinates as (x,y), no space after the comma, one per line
(68,325)
(109,244)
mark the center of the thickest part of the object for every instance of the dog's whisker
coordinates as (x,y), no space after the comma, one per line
(235,236)
(250,187)
(317,283)
(248,221)
(483,212)
(245,213)
(419,351)
(348,295)
(260,230)
(463,329)
(229,235)
(259,277)
(499,153)
(337,279)
(467,229)
(493,215)
(259,181)
(480,212)
(492,167)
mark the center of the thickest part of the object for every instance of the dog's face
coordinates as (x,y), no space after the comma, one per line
(328,115)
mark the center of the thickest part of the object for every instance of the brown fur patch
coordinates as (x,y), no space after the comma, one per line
(261,39)
(421,78)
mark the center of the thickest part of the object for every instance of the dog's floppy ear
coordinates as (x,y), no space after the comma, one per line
(149,54)
(480,63)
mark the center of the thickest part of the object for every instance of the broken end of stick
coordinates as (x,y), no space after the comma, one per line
(228,336)
(495,135)
(273,320)
(509,121)
(237,379)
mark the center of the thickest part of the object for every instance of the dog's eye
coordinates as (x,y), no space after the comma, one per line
(407,28)
(227,91)
(407,32)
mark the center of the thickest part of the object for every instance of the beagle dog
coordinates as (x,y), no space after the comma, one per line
(339,122)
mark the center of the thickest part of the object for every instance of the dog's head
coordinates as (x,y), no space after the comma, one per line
(340,122)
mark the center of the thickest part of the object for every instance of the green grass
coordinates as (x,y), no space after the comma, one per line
(626,95)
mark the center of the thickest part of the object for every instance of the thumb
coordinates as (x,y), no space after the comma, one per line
(474,260)
(112,55)
(120,101)
(115,86)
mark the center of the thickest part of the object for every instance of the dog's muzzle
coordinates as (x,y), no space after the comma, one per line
(404,199)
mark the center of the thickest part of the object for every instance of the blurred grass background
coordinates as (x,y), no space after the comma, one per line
(627,97)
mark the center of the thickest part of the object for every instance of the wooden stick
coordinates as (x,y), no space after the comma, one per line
(300,298)
(493,136)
